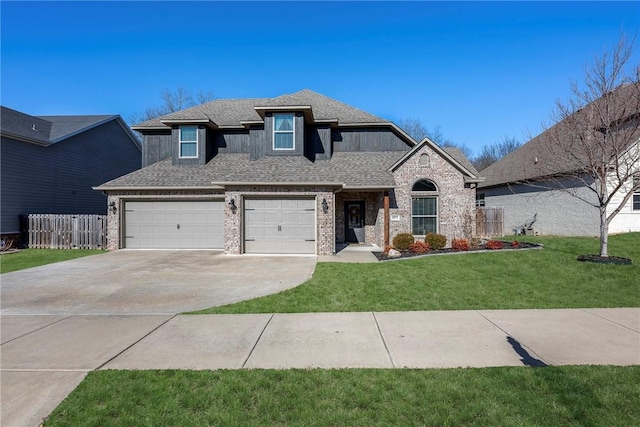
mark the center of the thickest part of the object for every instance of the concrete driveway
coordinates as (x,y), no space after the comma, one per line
(149,282)
(60,321)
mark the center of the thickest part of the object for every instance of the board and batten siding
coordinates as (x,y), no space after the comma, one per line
(58,179)
(156,147)
(367,140)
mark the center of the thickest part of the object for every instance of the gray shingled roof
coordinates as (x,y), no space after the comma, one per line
(46,129)
(351,169)
(545,155)
(232,112)
(459,156)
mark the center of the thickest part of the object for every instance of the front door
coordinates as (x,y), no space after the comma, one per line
(354,222)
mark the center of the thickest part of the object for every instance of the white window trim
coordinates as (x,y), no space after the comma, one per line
(425,195)
(187,142)
(293,132)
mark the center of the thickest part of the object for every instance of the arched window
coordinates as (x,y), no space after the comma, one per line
(424,207)
(424,185)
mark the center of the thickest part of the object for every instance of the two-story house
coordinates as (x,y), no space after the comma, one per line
(293,174)
(49,164)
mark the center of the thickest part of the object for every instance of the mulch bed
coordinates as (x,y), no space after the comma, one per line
(605,260)
(382,256)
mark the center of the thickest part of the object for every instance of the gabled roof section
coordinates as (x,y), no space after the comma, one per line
(451,154)
(47,130)
(238,112)
(542,155)
(17,125)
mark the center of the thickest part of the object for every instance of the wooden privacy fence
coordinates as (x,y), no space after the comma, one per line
(48,231)
(489,222)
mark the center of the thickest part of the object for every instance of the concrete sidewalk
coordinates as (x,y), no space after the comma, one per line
(45,357)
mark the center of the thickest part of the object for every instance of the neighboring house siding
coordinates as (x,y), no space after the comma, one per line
(456,204)
(367,140)
(59,178)
(557,212)
(627,220)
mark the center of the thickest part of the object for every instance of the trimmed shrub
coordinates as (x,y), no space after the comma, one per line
(494,244)
(419,247)
(460,245)
(515,244)
(402,241)
(435,241)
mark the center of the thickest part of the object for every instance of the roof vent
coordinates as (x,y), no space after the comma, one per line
(33,127)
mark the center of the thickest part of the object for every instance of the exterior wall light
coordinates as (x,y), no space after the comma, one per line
(325,206)
(232,206)
(112,207)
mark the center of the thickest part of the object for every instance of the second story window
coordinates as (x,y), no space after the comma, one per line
(188,141)
(283,132)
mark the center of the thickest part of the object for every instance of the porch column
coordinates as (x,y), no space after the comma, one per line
(386,219)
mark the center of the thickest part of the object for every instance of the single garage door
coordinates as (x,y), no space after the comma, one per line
(281,226)
(174,224)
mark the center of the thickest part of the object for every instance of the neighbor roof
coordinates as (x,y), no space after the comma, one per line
(366,170)
(542,155)
(237,112)
(47,130)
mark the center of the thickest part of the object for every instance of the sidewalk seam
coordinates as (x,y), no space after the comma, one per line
(393,365)
(584,310)
(257,341)
(135,342)
(532,351)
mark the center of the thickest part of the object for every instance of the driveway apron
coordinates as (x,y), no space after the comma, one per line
(62,320)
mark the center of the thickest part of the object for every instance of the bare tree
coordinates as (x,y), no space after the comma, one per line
(419,131)
(593,150)
(494,152)
(414,128)
(172,101)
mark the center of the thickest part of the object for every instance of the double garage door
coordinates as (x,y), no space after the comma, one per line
(282,226)
(174,224)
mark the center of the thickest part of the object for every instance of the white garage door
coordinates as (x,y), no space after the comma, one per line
(281,226)
(174,225)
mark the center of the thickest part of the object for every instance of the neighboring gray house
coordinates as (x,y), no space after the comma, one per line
(293,174)
(539,179)
(50,163)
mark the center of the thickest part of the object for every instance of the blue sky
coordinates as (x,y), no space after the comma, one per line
(479,70)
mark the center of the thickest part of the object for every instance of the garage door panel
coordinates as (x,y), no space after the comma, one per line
(154,224)
(279,225)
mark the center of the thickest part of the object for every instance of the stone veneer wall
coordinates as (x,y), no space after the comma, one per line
(456,204)
(325,237)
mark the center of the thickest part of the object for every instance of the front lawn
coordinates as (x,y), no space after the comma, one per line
(514,396)
(546,278)
(28,258)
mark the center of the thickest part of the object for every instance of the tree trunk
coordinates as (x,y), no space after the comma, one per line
(604,233)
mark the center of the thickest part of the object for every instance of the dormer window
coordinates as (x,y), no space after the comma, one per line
(188,142)
(283,132)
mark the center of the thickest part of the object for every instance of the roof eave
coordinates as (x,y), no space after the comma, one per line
(151,188)
(207,122)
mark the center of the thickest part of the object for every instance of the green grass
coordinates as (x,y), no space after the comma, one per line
(515,396)
(28,258)
(546,278)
